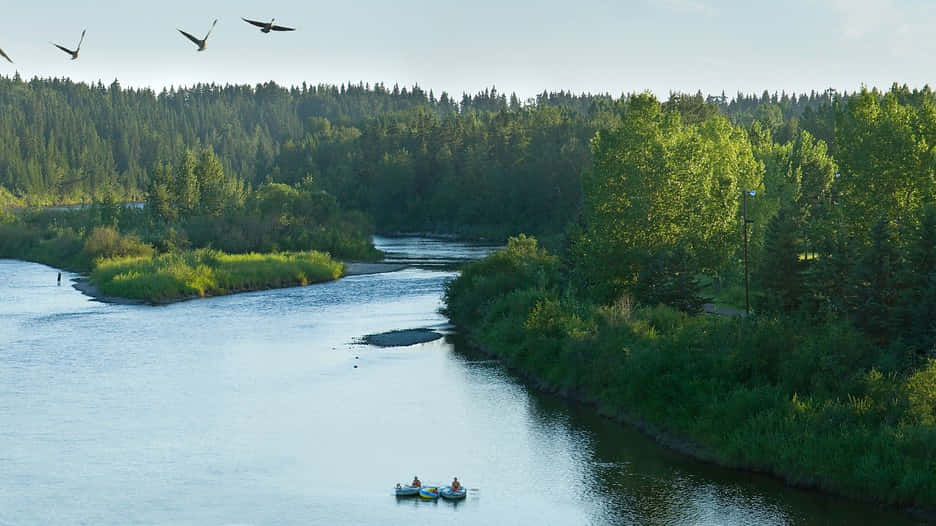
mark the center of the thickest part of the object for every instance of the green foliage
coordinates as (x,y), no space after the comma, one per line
(522,263)
(915,312)
(667,277)
(921,394)
(198,206)
(207,272)
(7,202)
(50,246)
(875,276)
(885,155)
(659,184)
(409,160)
(106,242)
(781,274)
(817,404)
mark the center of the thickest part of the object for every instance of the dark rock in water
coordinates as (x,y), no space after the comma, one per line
(402,338)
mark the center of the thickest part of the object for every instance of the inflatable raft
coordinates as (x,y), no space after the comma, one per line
(448,493)
(429,493)
(407,491)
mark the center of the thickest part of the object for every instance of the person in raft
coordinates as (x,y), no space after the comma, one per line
(456,485)
(416,483)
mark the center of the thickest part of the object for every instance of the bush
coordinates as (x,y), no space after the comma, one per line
(921,394)
(106,242)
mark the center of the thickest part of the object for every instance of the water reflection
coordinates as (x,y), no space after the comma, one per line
(431,252)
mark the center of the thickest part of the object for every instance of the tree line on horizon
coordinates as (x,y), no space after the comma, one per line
(67,142)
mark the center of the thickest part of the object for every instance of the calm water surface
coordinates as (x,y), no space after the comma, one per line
(247,409)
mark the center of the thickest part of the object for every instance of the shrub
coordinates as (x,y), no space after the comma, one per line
(106,242)
(921,394)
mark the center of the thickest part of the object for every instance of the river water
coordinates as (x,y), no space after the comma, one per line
(249,409)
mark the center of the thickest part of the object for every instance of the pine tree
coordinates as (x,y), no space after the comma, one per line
(212,185)
(186,195)
(916,311)
(667,277)
(780,275)
(876,283)
(159,195)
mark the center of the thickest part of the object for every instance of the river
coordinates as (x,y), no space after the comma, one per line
(261,408)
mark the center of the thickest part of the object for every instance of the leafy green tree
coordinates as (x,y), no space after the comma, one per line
(884,150)
(658,184)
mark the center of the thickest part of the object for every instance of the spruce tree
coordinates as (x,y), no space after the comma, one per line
(876,283)
(780,274)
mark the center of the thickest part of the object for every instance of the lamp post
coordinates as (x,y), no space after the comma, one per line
(747,292)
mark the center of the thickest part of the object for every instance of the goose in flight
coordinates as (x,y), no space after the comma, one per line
(267,27)
(4,55)
(201,43)
(74,54)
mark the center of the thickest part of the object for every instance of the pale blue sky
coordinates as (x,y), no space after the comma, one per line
(524,46)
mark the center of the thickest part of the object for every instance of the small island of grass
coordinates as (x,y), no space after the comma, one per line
(200,273)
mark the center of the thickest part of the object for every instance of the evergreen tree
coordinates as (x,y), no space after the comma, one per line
(874,276)
(916,311)
(185,191)
(667,277)
(159,195)
(213,186)
(780,275)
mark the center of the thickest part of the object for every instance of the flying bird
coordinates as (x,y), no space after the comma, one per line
(267,27)
(201,43)
(74,54)
(4,55)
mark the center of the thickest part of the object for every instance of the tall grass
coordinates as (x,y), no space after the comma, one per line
(205,272)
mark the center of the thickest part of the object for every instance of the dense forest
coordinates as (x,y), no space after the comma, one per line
(483,164)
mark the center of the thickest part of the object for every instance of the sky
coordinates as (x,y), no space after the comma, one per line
(522,46)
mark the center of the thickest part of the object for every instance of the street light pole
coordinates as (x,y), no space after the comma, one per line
(747,291)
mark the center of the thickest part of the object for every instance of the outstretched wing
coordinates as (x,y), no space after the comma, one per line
(283,28)
(63,48)
(254,22)
(82,40)
(4,55)
(192,38)
(213,24)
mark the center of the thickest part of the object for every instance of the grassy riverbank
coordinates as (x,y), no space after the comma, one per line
(815,404)
(122,266)
(200,273)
